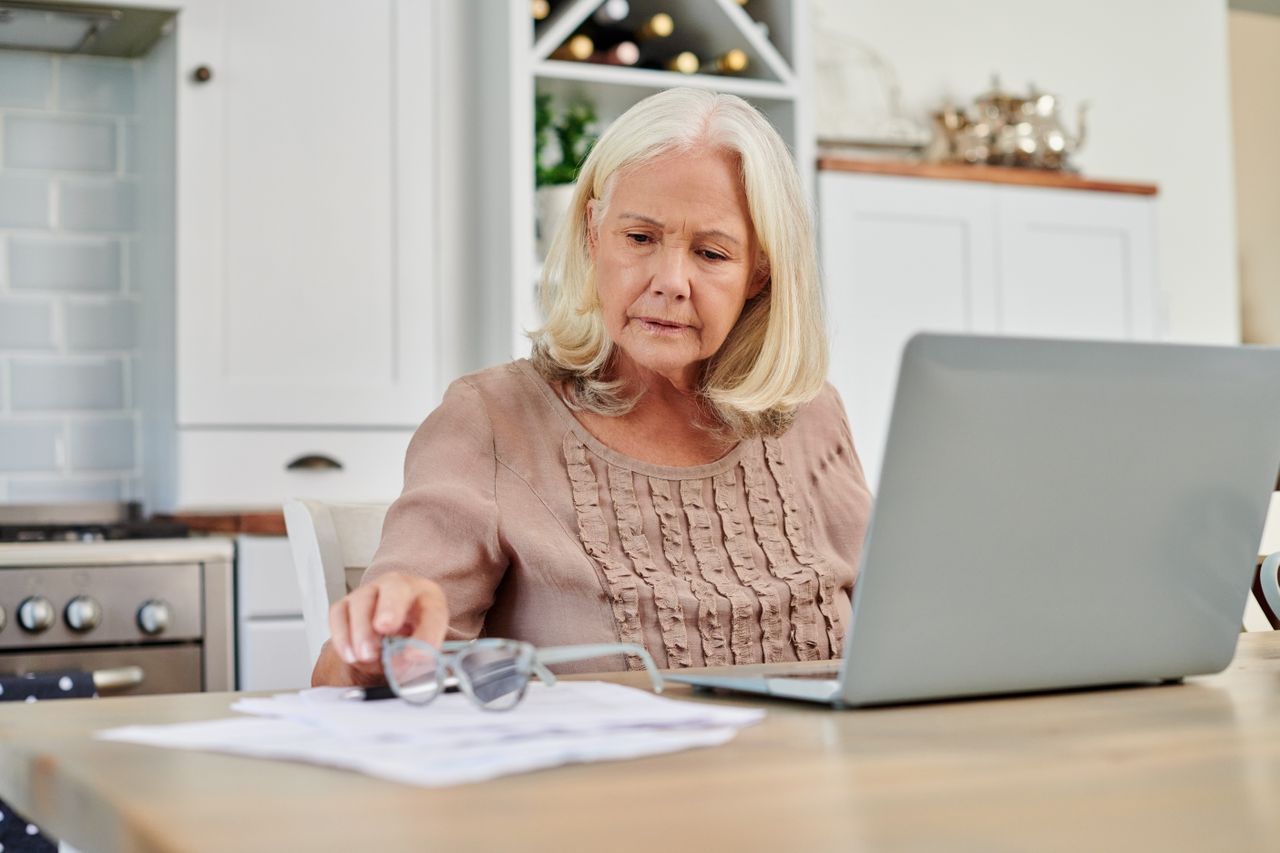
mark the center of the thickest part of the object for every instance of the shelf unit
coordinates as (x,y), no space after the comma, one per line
(777,81)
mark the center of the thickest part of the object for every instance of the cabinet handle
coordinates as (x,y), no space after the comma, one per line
(119,678)
(202,74)
(314,462)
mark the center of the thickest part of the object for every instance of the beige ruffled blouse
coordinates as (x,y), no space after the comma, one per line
(539,532)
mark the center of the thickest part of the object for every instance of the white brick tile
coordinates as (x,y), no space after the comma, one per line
(70,264)
(27,446)
(102,444)
(24,201)
(56,385)
(96,205)
(67,144)
(44,490)
(26,79)
(129,144)
(96,326)
(98,85)
(26,324)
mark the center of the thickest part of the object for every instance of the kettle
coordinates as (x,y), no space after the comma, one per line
(1004,129)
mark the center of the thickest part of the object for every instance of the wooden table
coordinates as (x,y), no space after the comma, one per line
(1190,767)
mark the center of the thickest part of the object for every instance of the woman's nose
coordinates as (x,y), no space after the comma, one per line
(671,277)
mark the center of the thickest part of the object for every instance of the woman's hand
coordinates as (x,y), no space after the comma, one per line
(392,605)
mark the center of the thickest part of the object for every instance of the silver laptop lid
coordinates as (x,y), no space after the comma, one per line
(1058,513)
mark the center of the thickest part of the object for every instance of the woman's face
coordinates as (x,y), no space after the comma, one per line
(674,255)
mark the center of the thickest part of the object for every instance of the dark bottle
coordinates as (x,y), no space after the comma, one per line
(685,62)
(733,61)
(622,53)
(651,30)
(577,48)
(612,13)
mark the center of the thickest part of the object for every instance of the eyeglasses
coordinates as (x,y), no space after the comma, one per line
(493,672)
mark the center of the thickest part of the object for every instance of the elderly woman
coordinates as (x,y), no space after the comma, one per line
(670,468)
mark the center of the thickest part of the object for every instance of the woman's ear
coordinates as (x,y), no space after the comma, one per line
(759,280)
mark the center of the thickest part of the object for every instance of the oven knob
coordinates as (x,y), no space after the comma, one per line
(153,617)
(82,614)
(36,614)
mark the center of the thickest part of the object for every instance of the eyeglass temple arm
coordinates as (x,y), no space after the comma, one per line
(564,654)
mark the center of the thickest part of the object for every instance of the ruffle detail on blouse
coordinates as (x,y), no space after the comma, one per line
(715,650)
(806,633)
(800,546)
(737,544)
(636,546)
(620,584)
(712,569)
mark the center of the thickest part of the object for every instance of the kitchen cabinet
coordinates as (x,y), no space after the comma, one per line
(271,640)
(772,34)
(903,253)
(293,328)
(305,217)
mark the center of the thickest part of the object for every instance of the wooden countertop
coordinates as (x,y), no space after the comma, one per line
(260,522)
(1188,767)
(985,174)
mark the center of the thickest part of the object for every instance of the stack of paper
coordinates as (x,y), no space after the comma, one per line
(452,741)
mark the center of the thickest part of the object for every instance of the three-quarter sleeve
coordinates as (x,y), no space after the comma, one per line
(444,525)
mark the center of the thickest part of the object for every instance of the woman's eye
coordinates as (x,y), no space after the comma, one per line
(639,239)
(712,255)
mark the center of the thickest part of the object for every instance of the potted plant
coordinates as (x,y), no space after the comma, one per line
(560,144)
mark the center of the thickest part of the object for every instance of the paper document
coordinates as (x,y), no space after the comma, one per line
(451,741)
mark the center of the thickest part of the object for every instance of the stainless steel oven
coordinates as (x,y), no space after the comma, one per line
(82,601)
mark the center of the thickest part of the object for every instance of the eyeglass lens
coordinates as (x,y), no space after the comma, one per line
(498,675)
(415,673)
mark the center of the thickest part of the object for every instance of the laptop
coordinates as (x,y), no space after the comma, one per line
(1050,515)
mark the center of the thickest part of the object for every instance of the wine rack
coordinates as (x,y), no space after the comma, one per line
(770,36)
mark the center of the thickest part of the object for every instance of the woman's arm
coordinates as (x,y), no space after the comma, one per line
(440,536)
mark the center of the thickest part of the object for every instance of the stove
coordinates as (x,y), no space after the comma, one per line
(96,587)
(85,522)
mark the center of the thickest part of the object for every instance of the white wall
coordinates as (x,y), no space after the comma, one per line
(69,411)
(1155,74)
(1255,79)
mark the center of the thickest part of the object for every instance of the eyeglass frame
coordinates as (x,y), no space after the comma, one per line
(540,658)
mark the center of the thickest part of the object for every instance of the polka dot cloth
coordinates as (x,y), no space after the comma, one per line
(32,686)
(17,835)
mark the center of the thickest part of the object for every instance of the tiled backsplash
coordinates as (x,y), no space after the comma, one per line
(69,425)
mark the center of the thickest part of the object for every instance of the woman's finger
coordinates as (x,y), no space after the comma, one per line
(340,631)
(365,642)
(432,614)
(395,598)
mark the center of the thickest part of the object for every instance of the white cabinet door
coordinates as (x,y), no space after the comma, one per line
(1076,264)
(271,637)
(902,255)
(899,256)
(266,581)
(305,224)
(274,655)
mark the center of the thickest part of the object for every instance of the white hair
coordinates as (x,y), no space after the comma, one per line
(775,357)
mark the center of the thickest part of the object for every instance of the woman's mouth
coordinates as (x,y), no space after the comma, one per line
(657,326)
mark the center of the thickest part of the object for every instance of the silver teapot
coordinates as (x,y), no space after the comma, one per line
(1003,129)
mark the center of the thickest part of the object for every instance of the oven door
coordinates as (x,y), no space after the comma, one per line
(165,669)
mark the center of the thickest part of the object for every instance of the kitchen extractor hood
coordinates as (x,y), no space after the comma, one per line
(92,30)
